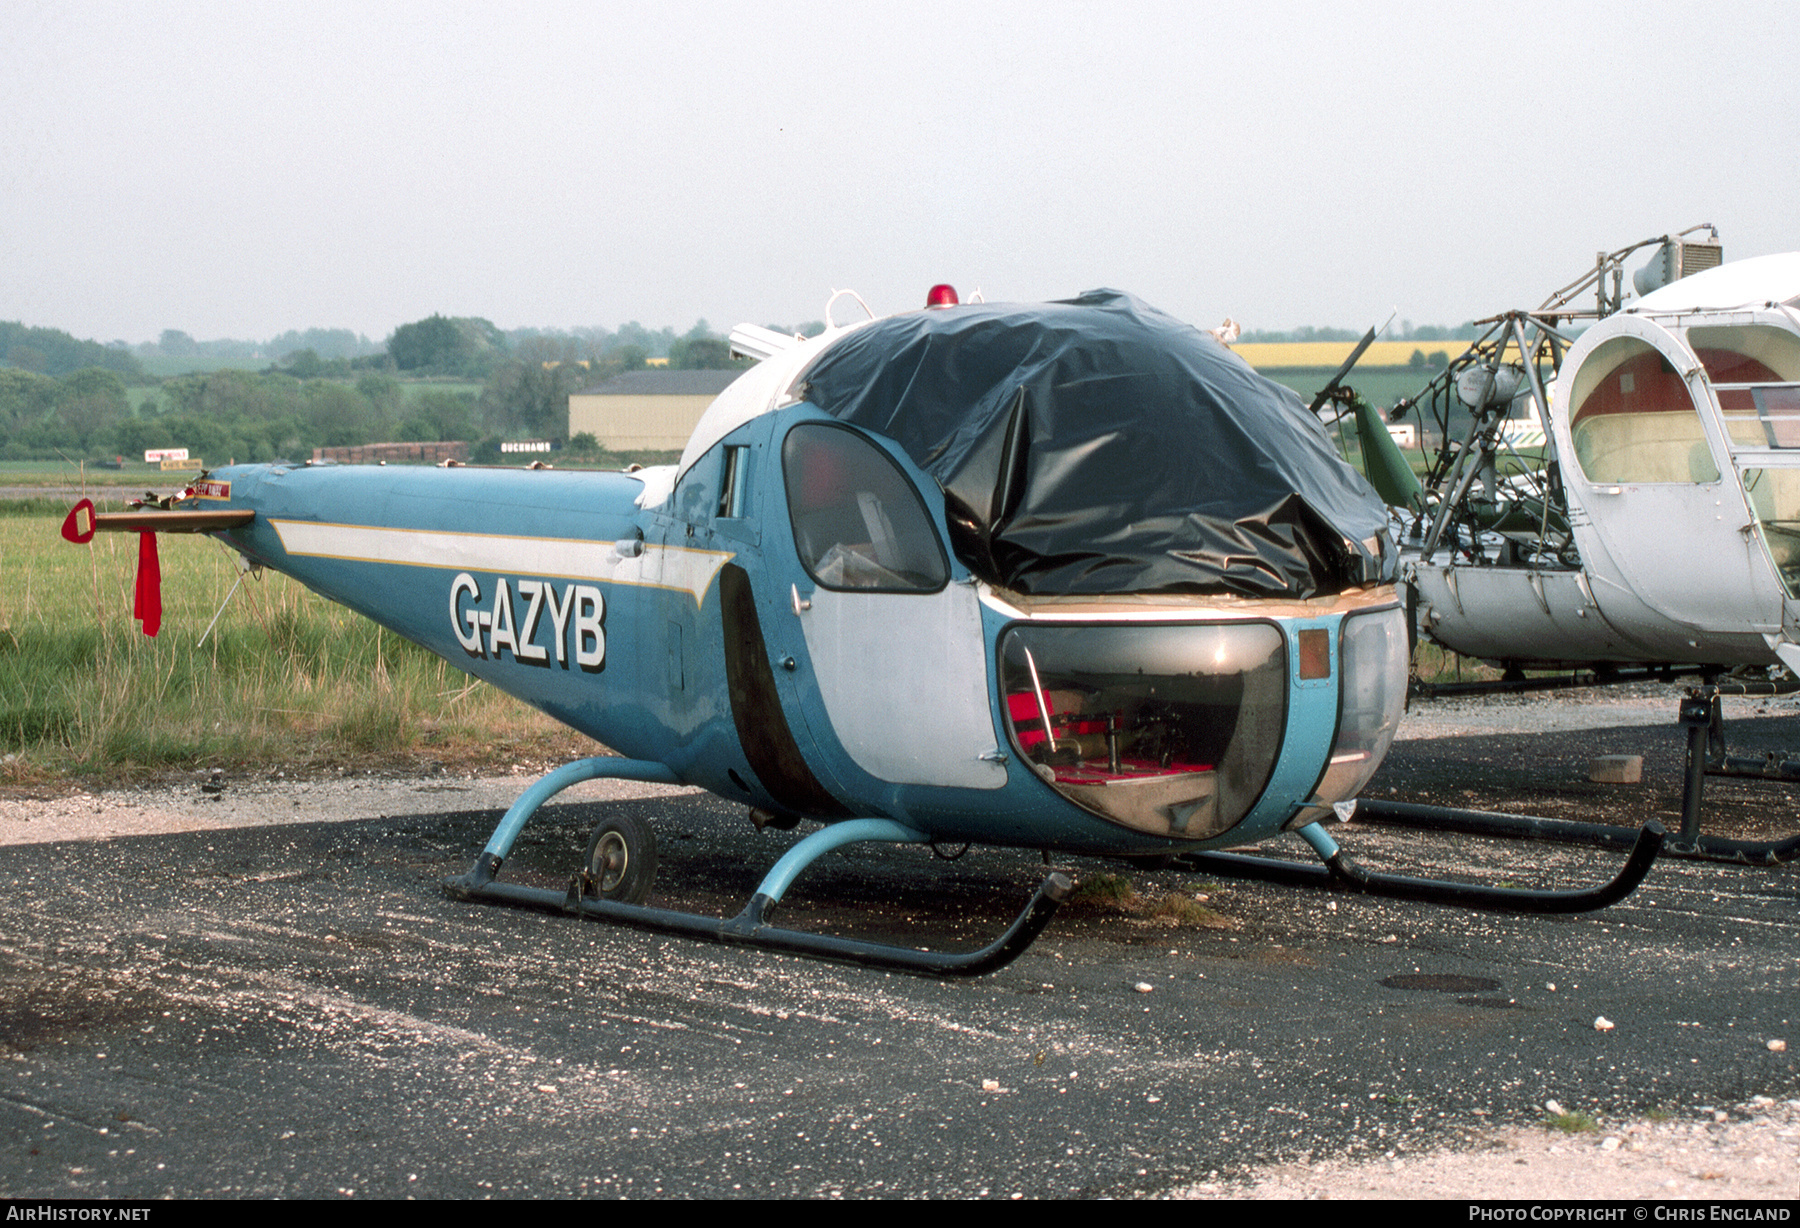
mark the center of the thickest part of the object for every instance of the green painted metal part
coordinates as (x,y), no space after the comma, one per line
(1388,472)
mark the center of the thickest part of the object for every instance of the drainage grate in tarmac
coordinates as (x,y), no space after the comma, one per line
(1439,982)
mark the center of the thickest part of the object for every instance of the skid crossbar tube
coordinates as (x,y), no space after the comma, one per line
(1341,872)
(750,927)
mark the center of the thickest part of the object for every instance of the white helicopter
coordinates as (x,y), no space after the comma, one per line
(1673,451)
(1660,522)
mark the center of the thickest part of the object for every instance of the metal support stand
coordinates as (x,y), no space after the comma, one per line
(1702,716)
(1773,765)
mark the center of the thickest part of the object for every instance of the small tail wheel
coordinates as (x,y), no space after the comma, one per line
(621,860)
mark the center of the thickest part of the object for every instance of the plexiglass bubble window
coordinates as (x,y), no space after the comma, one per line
(858,523)
(1633,420)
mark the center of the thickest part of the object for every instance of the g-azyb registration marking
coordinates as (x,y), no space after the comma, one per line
(577,619)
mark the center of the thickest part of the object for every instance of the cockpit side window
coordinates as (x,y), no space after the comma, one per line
(1755,373)
(1632,419)
(1747,354)
(858,523)
(1754,369)
(734,484)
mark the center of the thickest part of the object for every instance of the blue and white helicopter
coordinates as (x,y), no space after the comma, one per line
(1066,576)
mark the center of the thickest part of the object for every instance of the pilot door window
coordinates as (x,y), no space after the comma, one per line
(1755,373)
(1633,419)
(858,523)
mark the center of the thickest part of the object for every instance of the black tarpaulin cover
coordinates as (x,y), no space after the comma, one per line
(1099,446)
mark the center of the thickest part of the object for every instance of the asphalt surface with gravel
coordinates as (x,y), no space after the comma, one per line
(264,993)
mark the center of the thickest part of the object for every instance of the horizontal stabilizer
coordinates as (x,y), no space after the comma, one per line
(83,521)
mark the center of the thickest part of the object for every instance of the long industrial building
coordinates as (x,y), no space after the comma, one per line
(649,410)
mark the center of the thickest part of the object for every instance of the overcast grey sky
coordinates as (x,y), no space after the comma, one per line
(241,169)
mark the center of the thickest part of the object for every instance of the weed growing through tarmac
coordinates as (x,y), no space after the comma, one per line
(1103,893)
(1572,1123)
(1116,895)
(1179,909)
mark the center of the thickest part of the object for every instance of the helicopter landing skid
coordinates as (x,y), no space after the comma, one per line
(609,871)
(1706,756)
(1341,872)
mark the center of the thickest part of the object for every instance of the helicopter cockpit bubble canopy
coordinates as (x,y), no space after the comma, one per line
(1097,446)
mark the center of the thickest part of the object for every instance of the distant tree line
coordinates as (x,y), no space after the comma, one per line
(323,398)
(462,346)
(327,343)
(61,397)
(51,351)
(219,416)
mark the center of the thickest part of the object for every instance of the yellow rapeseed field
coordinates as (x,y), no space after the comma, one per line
(1330,353)
(1278,354)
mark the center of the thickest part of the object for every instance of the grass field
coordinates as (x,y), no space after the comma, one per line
(286,677)
(64,473)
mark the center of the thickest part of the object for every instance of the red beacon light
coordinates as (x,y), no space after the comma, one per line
(941,295)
